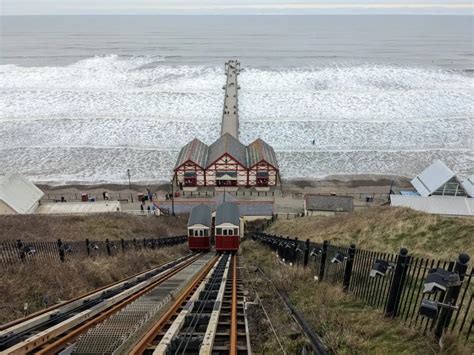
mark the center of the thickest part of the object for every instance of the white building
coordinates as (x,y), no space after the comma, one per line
(439,190)
(18,195)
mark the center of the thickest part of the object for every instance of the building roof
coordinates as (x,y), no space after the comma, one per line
(19,193)
(443,205)
(230,145)
(195,151)
(200,214)
(467,183)
(432,178)
(329,203)
(260,150)
(228,212)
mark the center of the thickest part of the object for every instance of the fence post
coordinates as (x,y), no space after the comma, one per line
(123,245)
(107,246)
(323,260)
(60,250)
(398,281)
(452,295)
(348,269)
(295,252)
(306,253)
(88,247)
(19,244)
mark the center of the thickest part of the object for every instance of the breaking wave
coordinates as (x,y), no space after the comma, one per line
(91,120)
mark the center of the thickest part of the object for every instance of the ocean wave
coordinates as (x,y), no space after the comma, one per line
(355,113)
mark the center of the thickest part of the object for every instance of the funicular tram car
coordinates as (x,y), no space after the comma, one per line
(228,228)
(199,228)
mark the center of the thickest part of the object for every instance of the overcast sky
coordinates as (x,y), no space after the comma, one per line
(192,7)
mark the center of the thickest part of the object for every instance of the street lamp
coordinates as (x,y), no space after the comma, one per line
(172,194)
(129,185)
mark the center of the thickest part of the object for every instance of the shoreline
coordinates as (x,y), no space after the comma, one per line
(340,181)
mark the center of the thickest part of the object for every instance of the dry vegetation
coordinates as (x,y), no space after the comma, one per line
(43,285)
(345,324)
(95,227)
(387,229)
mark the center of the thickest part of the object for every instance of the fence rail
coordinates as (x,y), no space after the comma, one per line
(395,283)
(16,252)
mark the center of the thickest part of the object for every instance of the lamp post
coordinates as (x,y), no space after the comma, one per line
(130,185)
(172,195)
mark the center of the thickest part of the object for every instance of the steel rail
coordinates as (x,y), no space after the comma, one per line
(233,324)
(178,323)
(84,295)
(150,335)
(76,323)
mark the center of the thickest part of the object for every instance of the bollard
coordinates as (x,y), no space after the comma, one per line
(398,282)
(61,250)
(452,295)
(306,253)
(323,260)
(88,247)
(348,269)
(107,246)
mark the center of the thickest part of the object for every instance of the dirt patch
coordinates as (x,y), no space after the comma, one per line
(49,283)
(95,227)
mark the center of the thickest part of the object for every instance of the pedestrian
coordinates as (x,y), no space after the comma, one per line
(150,195)
(143,199)
(141,207)
(104,195)
(167,196)
(181,186)
(314,141)
(148,209)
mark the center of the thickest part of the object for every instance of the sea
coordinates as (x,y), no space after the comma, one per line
(84,98)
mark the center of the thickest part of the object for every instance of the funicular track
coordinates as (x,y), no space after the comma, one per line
(59,326)
(208,318)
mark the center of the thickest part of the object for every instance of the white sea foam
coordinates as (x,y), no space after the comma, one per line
(91,120)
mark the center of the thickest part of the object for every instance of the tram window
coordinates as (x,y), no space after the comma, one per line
(201,233)
(191,232)
(206,232)
(236,231)
(219,231)
(225,231)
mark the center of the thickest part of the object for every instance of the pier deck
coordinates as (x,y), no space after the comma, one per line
(230,116)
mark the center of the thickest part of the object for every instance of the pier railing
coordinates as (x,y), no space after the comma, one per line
(20,251)
(396,283)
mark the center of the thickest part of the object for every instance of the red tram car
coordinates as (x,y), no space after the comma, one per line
(227,227)
(199,228)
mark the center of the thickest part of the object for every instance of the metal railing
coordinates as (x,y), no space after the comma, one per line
(395,283)
(19,251)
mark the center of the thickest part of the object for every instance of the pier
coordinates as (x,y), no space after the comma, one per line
(230,115)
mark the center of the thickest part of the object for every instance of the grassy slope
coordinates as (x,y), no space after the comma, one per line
(346,325)
(387,229)
(49,283)
(94,227)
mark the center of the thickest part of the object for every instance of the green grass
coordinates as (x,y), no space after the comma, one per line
(387,229)
(345,323)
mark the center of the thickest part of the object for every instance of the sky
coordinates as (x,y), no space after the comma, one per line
(253,7)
